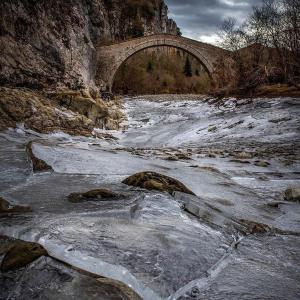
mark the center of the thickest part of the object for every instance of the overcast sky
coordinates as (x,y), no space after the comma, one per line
(199,19)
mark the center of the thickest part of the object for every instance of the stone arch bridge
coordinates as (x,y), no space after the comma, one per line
(111,57)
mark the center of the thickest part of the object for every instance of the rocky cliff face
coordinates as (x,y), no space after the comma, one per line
(50,43)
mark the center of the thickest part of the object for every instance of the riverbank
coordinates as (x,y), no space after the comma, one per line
(266,91)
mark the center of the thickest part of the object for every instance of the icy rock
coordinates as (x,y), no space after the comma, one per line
(20,254)
(255,227)
(156,181)
(243,155)
(292,194)
(38,165)
(261,163)
(98,194)
(6,207)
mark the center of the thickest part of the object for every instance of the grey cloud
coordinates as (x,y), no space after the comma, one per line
(198,18)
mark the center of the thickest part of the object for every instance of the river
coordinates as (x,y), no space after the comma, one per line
(238,158)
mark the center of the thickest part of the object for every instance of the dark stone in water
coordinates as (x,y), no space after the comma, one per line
(292,194)
(20,254)
(261,163)
(156,181)
(255,227)
(93,195)
(6,207)
(38,165)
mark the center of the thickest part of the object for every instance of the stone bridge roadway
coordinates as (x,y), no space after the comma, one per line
(111,57)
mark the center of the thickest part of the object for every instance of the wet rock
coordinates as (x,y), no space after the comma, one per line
(104,136)
(93,195)
(20,254)
(279,120)
(47,278)
(243,155)
(210,169)
(212,129)
(255,227)
(116,287)
(172,158)
(73,112)
(261,163)
(235,124)
(263,178)
(240,161)
(156,181)
(38,165)
(182,156)
(274,204)
(6,207)
(111,124)
(292,194)
(225,202)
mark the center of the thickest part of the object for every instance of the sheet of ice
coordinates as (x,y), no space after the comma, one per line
(145,239)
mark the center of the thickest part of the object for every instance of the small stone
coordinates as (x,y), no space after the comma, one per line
(292,194)
(264,178)
(156,181)
(182,156)
(212,129)
(240,161)
(261,163)
(255,227)
(21,254)
(93,195)
(243,155)
(172,158)
(235,124)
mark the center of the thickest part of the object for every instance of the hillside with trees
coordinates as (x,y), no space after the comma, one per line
(265,51)
(162,70)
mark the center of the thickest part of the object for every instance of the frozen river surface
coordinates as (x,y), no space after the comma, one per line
(238,158)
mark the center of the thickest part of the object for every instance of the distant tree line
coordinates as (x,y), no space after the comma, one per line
(162,70)
(265,49)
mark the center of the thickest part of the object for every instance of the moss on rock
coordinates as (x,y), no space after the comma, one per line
(93,195)
(20,254)
(156,181)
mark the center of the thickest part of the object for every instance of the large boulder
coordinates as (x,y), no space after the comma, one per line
(20,254)
(156,181)
(93,195)
(292,194)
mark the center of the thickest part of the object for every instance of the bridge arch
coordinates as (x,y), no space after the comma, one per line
(111,57)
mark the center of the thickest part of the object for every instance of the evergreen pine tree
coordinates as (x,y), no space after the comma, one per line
(150,67)
(197,72)
(188,68)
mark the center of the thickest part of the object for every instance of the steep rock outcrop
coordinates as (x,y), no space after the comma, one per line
(72,112)
(48,42)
